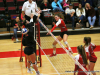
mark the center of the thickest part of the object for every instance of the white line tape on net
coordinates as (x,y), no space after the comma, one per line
(47,57)
(65,49)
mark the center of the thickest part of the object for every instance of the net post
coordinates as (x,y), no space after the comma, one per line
(21,59)
(38,38)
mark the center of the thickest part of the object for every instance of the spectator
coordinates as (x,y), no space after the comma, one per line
(90,14)
(56,5)
(70,14)
(98,5)
(94,4)
(45,5)
(80,13)
(16,28)
(66,5)
(99,16)
(86,1)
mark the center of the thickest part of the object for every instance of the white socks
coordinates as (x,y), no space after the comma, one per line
(54,51)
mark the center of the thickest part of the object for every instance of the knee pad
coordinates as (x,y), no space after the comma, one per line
(65,42)
(29,61)
(54,45)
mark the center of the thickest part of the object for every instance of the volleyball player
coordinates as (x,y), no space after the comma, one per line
(92,56)
(63,36)
(82,59)
(86,47)
(29,43)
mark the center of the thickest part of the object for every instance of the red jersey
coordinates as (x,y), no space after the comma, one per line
(61,24)
(87,52)
(77,68)
(92,56)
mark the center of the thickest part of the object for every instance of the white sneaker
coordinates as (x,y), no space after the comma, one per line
(30,71)
(91,27)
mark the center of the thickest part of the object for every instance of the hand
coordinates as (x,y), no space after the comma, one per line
(71,15)
(18,28)
(27,22)
(70,50)
(48,34)
(53,23)
(86,8)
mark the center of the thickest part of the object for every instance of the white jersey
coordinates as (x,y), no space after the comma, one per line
(29,8)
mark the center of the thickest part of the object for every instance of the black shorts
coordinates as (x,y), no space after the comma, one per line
(93,61)
(29,50)
(62,34)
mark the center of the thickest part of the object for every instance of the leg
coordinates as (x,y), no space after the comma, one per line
(55,42)
(99,20)
(81,19)
(89,19)
(54,46)
(92,67)
(72,18)
(65,37)
(29,61)
(57,8)
(33,58)
(15,33)
(94,18)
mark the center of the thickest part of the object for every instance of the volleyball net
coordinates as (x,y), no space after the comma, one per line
(64,62)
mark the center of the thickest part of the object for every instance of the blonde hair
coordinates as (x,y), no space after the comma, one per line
(88,4)
(43,1)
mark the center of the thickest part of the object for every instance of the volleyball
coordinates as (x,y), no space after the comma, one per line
(24,30)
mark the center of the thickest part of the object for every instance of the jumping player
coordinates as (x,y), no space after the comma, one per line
(92,56)
(82,59)
(64,34)
(29,43)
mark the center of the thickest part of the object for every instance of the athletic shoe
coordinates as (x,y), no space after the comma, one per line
(29,71)
(52,55)
(91,27)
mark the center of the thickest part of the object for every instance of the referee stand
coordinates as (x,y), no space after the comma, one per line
(38,52)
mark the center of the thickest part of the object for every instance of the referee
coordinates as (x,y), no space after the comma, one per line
(28,8)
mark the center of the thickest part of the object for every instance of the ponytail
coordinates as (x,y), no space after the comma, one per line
(86,41)
(82,53)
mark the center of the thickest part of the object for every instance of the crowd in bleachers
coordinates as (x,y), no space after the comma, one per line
(77,13)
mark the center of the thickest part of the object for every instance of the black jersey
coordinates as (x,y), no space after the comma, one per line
(28,39)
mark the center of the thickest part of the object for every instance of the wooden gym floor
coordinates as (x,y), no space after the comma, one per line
(61,62)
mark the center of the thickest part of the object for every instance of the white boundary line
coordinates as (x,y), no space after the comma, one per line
(64,48)
(47,57)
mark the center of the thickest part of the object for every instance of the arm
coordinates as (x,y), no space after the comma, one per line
(23,9)
(60,1)
(53,5)
(59,22)
(83,11)
(77,12)
(66,11)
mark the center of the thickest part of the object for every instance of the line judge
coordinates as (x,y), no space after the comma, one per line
(28,8)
